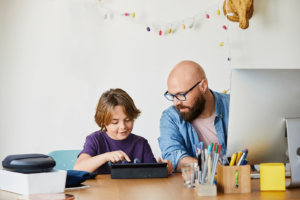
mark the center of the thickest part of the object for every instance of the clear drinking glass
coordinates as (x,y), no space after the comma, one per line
(189,174)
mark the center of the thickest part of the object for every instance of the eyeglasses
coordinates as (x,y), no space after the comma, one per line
(180,97)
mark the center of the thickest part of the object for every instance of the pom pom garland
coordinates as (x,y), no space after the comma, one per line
(183,22)
(170,29)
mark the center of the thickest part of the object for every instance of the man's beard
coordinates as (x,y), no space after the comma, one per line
(194,111)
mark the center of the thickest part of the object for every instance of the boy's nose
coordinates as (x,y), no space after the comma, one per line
(122,125)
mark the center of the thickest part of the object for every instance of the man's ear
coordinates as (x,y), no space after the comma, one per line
(204,86)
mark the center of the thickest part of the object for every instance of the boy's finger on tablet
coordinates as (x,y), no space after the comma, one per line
(115,158)
(120,155)
(126,157)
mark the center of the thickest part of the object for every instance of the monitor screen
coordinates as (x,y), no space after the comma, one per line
(260,101)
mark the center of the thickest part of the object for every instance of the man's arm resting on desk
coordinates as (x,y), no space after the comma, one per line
(186,159)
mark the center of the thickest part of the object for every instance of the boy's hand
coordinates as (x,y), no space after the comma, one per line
(116,156)
(169,164)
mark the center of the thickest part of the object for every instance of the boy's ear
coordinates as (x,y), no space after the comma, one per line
(103,128)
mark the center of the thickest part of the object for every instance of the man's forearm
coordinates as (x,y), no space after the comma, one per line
(186,159)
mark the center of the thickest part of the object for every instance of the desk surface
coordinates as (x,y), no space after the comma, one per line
(103,187)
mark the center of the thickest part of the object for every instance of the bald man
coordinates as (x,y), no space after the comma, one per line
(198,114)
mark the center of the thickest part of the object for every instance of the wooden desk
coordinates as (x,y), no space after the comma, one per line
(103,187)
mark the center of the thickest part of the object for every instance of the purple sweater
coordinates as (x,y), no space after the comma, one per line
(134,146)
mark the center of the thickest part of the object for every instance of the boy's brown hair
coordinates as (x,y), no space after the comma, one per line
(108,101)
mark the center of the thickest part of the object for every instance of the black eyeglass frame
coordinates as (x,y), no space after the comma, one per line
(184,94)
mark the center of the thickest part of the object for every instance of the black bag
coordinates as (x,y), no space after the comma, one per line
(75,177)
(28,163)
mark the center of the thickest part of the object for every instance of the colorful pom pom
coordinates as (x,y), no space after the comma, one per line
(170,30)
(183,26)
(224,91)
(221,44)
(229,59)
(224,27)
(148,29)
(126,14)
(207,16)
(133,15)
(160,32)
(218,12)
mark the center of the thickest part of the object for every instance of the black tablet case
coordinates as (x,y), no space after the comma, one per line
(139,170)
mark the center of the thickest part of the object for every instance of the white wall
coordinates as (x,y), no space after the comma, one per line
(58,56)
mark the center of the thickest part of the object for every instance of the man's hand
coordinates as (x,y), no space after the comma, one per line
(169,164)
(186,160)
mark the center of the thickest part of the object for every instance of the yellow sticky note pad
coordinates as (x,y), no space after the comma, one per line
(272,177)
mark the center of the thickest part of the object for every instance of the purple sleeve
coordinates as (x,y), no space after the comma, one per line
(148,155)
(90,146)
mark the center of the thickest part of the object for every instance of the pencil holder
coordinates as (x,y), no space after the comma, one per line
(206,189)
(234,179)
(272,177)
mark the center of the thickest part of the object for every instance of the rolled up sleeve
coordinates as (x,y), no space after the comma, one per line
(171,142)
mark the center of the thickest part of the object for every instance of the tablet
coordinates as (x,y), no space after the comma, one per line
(138,165)
(138,170)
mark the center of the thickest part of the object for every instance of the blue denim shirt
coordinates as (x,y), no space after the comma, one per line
(177,136)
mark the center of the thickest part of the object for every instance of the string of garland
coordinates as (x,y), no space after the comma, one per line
(170,25)
(131,16)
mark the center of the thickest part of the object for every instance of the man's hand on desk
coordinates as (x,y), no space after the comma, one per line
(169,164)
(190,160)
(185,160)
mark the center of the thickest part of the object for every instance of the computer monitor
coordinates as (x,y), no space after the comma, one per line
(260,102)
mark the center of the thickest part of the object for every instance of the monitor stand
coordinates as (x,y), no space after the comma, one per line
(293,138)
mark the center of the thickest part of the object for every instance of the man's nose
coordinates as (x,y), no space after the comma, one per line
(176,102)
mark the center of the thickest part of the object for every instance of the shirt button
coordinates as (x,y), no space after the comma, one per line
(220,115)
